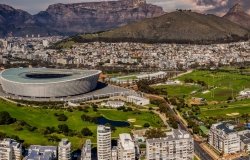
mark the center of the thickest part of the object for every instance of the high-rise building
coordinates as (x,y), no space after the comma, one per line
(178,144)
(224,138)
(126,147)
(86,150)
(103,143)
(10,150)
(64,149)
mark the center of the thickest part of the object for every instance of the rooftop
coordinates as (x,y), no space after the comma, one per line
(44,75)
(37,152)
(103,129)
(175,134)
(225,127)
(64,143)
(10,143)
(126,141)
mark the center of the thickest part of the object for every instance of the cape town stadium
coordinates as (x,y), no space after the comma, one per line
(48,83)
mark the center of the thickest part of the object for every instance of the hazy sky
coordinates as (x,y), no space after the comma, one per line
(210,6)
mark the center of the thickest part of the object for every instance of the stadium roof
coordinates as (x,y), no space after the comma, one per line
(45,75)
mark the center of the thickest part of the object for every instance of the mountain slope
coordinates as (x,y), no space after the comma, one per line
(69,19)
(96,16)
(237,15)
(175,27)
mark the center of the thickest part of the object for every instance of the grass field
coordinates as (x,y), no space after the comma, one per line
(240,107)
(178,90)
(225,84)
(222,84)
(42,118)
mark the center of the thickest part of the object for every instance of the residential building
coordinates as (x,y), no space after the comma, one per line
(138,100)
(126,147)
(114,155)
(10,150)
(224,138)
(86,150)
(178,144)
(64,149)
(103,143)
(244,140)
(37,152)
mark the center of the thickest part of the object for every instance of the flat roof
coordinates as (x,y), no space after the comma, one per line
(31,75)
(126,141)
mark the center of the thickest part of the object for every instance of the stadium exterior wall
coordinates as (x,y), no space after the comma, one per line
(48,90)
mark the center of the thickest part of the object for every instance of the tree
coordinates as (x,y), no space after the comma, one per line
(95,108)
(63,128)
(5,118)
(146,125)
(53,138)
(154,133)
(62,117)
(86,132)
(163,108)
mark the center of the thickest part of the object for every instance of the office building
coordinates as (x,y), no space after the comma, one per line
(178,144)
(86,150)
(103,143)
(126,147)
(10,150)
(64,149)
(224,138)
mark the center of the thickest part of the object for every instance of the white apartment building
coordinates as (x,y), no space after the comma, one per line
(224,138)
(114,155)
(150,76)
(177,145)
(138,100)
(103,143)
(37,152)
(86,150)
(10,150)
(64,149)
(126,147)
(244,140)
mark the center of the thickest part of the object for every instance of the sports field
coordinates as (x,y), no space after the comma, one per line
(42,118)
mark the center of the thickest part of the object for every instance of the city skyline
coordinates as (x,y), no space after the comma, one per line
(219,7)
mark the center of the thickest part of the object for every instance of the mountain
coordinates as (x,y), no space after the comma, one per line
(175,27)
(237,15)
(17,22)
(69,19)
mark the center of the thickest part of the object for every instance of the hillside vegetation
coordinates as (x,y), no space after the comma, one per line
(175,27)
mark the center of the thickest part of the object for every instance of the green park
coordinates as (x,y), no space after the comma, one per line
(220,89)
(37,125)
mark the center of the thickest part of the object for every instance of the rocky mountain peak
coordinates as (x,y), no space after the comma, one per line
(237,8)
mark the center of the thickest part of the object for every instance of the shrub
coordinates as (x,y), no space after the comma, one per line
(86,132)
(62,117)
(63,128)
(5,118)
(146,125)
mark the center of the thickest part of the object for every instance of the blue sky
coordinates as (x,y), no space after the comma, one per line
(212,6)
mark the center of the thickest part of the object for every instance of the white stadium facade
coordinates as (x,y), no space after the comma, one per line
(48,83)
